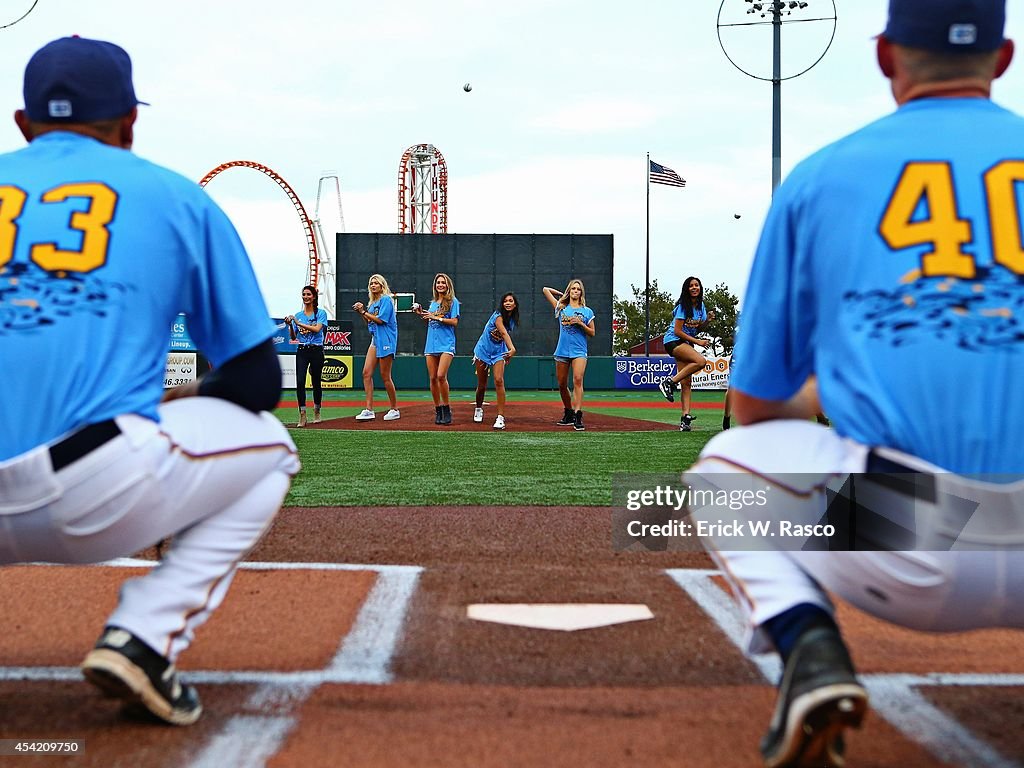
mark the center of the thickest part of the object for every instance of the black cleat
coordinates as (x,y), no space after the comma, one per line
(577,422)
(446,415)
(126,668)
(667,387)
(685,422)
(437,414)
(568,418)
(819,697)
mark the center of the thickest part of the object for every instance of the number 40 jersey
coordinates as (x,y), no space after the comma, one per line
(891,266)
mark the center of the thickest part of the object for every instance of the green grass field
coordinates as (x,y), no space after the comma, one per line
(368,468)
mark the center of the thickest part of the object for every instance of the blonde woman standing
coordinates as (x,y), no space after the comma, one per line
(575,329)
(441,318)
(382,323)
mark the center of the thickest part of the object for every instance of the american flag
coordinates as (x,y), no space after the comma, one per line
(662,175)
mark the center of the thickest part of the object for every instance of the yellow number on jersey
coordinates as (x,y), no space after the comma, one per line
(12,201)
(92,223)
(942,227)
(1004,214)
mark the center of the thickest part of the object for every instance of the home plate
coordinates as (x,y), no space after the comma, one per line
(567,617)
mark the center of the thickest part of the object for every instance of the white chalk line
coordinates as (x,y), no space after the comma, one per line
(364,657)
(893,696)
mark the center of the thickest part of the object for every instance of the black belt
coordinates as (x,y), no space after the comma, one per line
(900,478)
(881,464)
(310,346)
(80,443)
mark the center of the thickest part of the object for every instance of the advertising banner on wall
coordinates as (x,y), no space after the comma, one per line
(645,372)
(180,340)
(337,373)
(181,369)
(337,338)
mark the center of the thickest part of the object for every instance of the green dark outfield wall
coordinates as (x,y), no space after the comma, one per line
(482,268)
(410,373)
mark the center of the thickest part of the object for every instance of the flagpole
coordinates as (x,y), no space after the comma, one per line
(647,271)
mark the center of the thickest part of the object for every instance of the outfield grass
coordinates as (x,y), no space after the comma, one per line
(367,468)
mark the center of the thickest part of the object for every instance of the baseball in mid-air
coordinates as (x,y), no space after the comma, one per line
(467,87)
(735,215)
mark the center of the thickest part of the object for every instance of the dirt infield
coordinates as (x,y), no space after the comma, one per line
(347,642)
(519,417)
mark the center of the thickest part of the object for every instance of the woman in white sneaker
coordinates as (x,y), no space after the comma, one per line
(441,318)
(576,327)
(307,330)
(382,323)
(680,340)
(492,351)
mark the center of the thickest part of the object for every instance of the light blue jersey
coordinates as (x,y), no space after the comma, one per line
(487,350)
(691,325)
(384,337)
(441,337)
(306,337)
(572,341)
(99,252)
(891,266)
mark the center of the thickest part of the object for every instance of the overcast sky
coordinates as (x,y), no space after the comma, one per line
(567,98)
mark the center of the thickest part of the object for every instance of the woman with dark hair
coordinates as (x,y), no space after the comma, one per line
(441,318)
(492,351)
(307,328)
(689,317)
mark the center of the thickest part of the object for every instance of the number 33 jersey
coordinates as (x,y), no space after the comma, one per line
(99,251)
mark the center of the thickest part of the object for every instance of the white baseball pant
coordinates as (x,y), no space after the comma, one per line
(211,474)
(938,591)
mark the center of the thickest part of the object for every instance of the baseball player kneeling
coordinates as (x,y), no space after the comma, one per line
(889,261)
(99,251)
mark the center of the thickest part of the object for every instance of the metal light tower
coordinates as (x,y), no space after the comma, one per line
(776,9)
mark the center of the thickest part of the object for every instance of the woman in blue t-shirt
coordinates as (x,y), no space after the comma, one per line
(492,351)
(307,330)
(382,323)
(441,318)
(576,327)
(681,338)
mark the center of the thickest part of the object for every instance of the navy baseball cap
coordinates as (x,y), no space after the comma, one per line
(973,26)
(77,80)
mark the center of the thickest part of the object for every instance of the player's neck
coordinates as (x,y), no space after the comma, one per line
(948,89)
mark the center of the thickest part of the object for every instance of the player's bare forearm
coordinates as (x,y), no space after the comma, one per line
(191,389)
(803,405)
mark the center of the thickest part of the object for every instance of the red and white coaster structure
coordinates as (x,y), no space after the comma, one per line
(422,191)
(320,273)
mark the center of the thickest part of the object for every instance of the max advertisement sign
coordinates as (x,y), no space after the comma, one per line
(337,373)
(646,372)
(337,338)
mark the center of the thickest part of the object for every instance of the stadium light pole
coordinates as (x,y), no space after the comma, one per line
(777,9)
